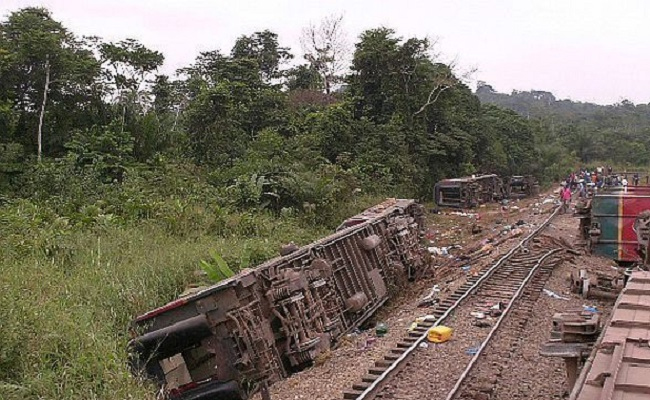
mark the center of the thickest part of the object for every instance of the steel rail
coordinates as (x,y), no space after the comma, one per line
(395,364)
(496,326)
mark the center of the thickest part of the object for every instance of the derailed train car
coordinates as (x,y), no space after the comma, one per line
(266,322)
(468,191)
(617,225)
(471,191)
(519,186)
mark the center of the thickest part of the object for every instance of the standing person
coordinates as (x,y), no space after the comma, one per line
(565,195)
(573,180)
(636,179)
(624,182)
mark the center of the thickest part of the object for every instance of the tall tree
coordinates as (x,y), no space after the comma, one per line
(304,77)
(264,49)
(41,61)
(229,103)
(127,65)
(326,49)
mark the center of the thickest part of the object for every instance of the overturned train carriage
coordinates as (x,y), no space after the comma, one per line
(468,191)
(266,322)
(520,186)
(474,190)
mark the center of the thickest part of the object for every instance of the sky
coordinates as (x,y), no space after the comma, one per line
(594,51)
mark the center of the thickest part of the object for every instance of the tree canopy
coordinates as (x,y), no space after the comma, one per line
(384,111)
(617,133)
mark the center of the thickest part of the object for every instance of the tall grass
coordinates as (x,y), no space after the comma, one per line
(67,294)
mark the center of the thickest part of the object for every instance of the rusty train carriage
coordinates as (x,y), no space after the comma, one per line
(264,323)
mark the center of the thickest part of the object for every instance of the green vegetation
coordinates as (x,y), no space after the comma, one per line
(118,184)
(73,278)
(617,134)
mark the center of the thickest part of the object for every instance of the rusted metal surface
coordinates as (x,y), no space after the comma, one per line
(619,367)
(264,323)
(597,284)
(572,337)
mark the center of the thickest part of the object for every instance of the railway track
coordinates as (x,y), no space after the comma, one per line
(514,281)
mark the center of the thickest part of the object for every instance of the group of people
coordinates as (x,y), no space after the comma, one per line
(588,181)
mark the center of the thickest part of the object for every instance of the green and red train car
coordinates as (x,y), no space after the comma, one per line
(618,226)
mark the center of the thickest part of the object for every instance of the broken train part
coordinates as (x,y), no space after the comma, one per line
(572,337)
(594,284)
(525,258)
(264,323)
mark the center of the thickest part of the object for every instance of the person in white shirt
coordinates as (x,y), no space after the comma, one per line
(624,182)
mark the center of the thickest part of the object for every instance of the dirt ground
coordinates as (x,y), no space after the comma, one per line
(535,377)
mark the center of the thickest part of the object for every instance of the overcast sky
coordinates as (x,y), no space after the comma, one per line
(596,50)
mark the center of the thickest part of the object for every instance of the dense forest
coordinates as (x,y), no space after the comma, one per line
(271,130)
(618,133)
(118,182)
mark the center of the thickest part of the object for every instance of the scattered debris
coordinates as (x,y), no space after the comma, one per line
(591,309)
(431,298)
(496,309)
(598,283)
(381,329)
(439,334)
(554,295)
(482,323)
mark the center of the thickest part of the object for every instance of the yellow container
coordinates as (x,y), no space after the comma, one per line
(439,334)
